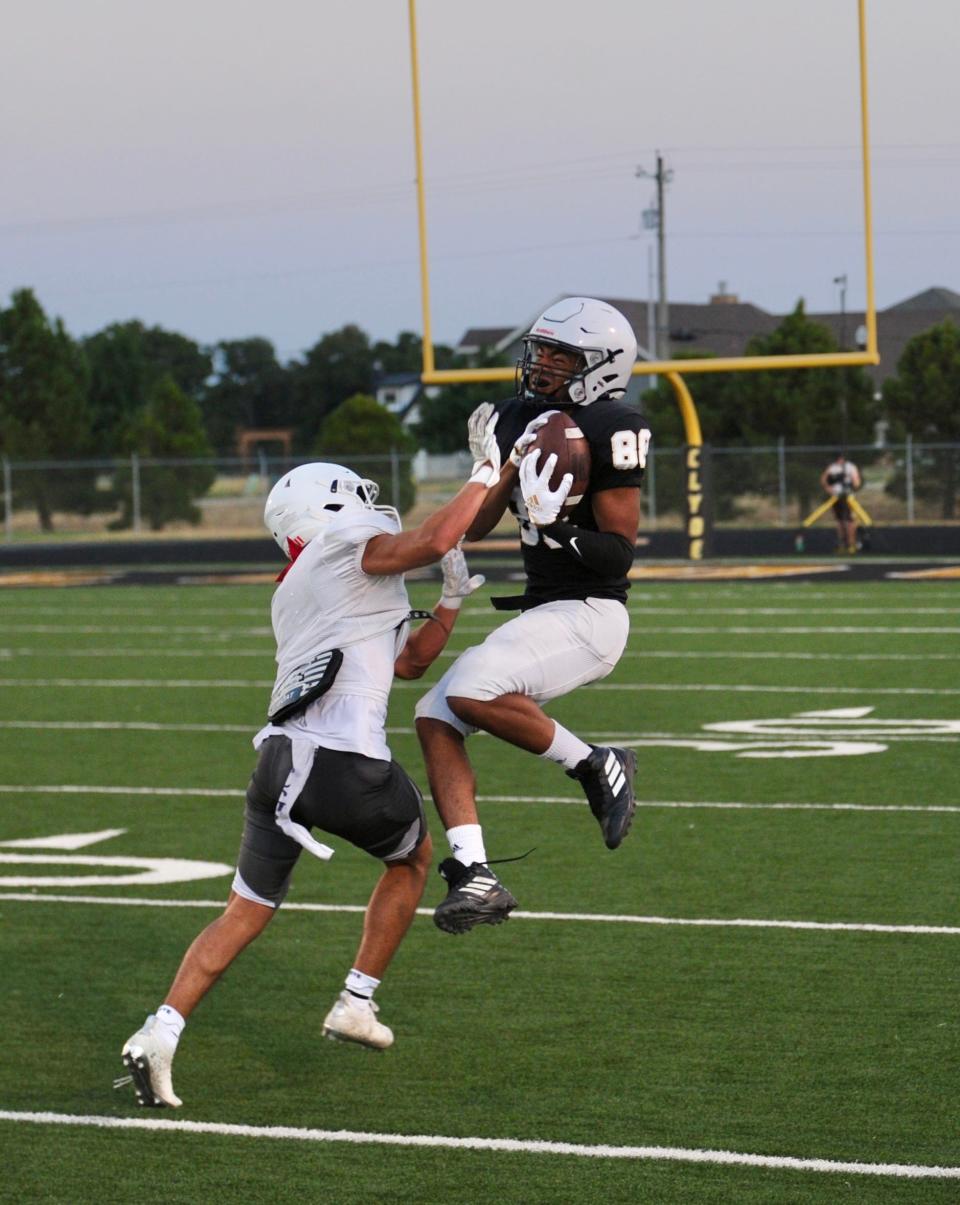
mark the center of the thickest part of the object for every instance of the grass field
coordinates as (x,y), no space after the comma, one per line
(768,967)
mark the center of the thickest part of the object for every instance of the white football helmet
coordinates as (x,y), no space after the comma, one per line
(600,334)
(306,499)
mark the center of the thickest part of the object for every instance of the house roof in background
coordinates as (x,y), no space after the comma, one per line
(724,328)
(937,298)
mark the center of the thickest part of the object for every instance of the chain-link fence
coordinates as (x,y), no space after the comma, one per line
(779,485)
(139,495)
(774,486)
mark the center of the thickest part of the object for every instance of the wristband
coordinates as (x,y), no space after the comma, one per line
(452,604)
(483,474)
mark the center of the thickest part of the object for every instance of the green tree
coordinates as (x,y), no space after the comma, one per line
(126,360)
(406,355)
(809,406)
(251,390)
(443,417)
(923,399)
(118,384)
(176,355)
(43,406)
(361,428)
(169,427)
(338,366)
(804,405)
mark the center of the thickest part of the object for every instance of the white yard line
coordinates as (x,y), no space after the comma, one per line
(186,792)
(570,800)
(34,897)
(635,607)
(643,654)
(673,1154)
(139,683)
(697,687)
(59,654)
(739,655)
(220,632)
(647,739)
(840,610)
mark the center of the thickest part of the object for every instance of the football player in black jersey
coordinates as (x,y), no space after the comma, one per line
(573,623)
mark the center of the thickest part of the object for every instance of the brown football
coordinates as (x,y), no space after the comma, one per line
(562,435)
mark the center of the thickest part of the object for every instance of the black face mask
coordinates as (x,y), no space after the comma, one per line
(527,372)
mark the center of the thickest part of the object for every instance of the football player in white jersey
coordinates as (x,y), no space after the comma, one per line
(341,618)
(578,356)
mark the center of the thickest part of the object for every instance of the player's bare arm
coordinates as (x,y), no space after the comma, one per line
(425,645)
(426,544)
(618,511)
(494,505)
(444,529)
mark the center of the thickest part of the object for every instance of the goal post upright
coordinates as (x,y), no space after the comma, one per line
(674,370)
(868,355)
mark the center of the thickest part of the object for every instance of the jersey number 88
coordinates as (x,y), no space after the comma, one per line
(629,449)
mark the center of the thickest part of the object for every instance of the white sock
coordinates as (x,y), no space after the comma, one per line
(169,1023)
(466,843)
(565,748)
(359,984)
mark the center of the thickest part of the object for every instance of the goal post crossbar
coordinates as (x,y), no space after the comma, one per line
(868,355)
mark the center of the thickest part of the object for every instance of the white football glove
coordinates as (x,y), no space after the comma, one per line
(481,435)
(520,448)
(543,504)
(457,582)
(477,429)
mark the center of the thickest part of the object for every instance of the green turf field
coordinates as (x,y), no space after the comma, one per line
(768,967)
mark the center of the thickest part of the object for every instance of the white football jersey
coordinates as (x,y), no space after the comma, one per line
(326,601)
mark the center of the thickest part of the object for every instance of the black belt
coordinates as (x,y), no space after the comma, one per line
(517,602)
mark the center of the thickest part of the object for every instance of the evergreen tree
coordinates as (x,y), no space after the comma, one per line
(923,399)
(126,361)
(43,406)
(169,427)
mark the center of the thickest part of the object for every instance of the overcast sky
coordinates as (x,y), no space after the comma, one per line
(228,168)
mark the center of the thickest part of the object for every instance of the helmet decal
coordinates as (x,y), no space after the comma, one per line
(597,334)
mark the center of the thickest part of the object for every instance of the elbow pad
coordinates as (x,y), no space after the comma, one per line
(605,552)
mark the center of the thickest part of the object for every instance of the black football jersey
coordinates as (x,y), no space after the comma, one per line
(619,437)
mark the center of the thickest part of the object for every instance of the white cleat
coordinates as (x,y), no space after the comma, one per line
(353,1019)
(149,1059)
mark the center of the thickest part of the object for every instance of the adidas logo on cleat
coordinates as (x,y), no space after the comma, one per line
(606,776)
(475,897)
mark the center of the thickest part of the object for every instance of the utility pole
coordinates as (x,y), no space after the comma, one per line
(841,281)
(663,175)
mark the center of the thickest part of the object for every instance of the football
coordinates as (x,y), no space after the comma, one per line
(561,435)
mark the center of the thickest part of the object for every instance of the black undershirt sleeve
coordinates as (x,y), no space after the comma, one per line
(605,552)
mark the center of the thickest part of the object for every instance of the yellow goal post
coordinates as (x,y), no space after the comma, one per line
(672,369)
